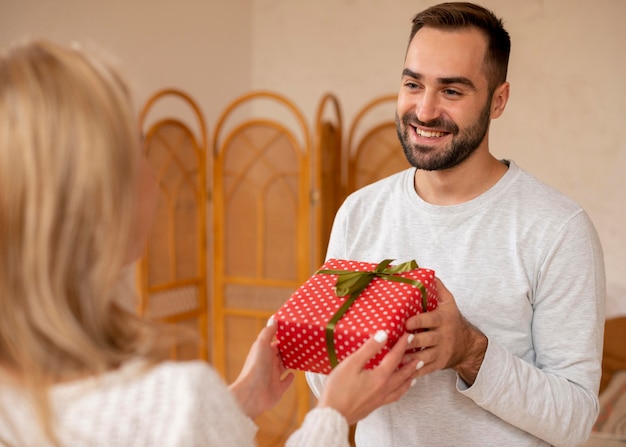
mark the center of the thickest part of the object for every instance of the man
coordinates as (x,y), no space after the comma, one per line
(512,354)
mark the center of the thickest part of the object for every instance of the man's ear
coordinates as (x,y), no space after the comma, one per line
(499,99)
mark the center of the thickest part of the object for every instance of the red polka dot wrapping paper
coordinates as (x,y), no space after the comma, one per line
(383,304)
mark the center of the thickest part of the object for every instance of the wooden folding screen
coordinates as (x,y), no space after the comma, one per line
(262,231)
(275,192)
(172,272)
(328,186)
(374,150)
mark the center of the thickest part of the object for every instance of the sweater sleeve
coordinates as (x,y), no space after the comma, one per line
(556,398)
(322,427)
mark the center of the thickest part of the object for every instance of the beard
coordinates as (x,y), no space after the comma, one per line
(464,142)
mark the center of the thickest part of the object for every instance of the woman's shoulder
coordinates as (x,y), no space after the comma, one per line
(194,370)
(175,380)
(161,403)
(144,384)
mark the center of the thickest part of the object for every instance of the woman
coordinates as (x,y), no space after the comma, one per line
(76,367)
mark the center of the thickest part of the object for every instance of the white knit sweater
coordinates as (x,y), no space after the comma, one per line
(173,404)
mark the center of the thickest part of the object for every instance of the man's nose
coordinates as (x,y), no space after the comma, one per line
(427,107)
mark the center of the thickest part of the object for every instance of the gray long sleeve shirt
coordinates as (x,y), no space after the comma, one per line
(525,266)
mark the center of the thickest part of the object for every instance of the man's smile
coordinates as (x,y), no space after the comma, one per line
(429,133)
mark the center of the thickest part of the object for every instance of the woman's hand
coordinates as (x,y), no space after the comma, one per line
(263,379)
(355,392)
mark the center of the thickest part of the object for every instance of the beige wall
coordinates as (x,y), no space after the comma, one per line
(563,122)
(202,47)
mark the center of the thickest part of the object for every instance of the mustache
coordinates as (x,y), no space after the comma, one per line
(410,119)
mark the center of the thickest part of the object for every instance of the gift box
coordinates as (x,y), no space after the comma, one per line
(343,304)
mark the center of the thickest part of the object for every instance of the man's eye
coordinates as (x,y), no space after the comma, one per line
(451,92)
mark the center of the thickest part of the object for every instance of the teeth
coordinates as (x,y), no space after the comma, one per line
(428,134)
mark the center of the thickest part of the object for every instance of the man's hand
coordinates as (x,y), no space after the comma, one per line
(447,339)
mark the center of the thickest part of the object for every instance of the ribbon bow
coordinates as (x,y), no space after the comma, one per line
(353,283)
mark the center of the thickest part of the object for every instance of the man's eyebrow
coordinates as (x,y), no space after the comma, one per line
(411,74)
(443,81)
(457,80)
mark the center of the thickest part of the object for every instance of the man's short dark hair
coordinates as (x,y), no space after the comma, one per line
(459,15)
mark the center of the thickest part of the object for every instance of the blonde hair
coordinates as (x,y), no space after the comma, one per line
(69,152)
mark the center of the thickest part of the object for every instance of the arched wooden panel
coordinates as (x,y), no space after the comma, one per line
(172,271)
(262,230)
(329,185)
(374,150)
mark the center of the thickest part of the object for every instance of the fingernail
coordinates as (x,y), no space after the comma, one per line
(380,336)
(410,338)
(413,382)
(271,321)
(419,365)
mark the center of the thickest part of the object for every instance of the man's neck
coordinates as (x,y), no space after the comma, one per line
(462,183)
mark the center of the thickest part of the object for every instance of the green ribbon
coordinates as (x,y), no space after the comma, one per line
(353,283)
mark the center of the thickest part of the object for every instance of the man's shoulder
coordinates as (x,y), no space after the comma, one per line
(537,194)
(386,185)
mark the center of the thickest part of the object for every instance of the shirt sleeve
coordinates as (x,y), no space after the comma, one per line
(555,398)
(316,382)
